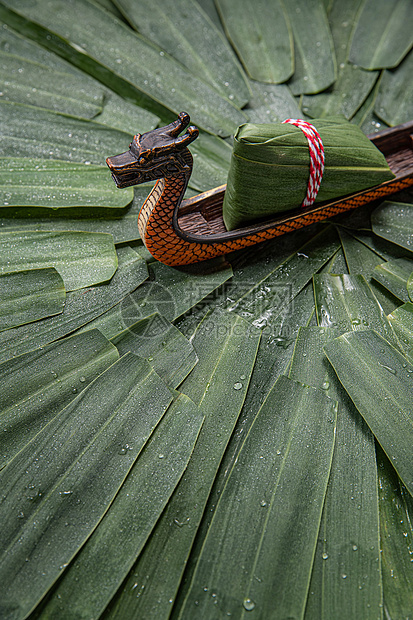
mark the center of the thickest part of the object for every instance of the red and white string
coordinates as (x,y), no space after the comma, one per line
(316,149)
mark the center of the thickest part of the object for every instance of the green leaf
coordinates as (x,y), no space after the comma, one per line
(92,579)
(82,259)
(123,115)
(387,250)
(26,296)
(394,276)
(274,355)
(378,380)
(353,84)
(166,349)
(209,7)
(271,103)
(401,320)
(346,302)
(171,292)
(37,385)
(394,221)
(129,66)
(394,98)
(362,260)
(34,84)
(266,298)
(348,541)
(43,134)
(365,117)
(111,109)
(281,472)
(54,183)
(109,6)
(382,35)
(86,452)
(120,223)
(396,516)
(13,43)
(226,346)
(175,25)
(315,61)
(81,307)
(262,37)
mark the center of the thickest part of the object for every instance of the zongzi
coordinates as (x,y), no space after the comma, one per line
(270,167)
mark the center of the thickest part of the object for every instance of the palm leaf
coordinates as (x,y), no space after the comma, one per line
(401,320)
(131,517)
(353,84)
(127,70)
(348,542)
(383,41)
(86,72)
(394,276)
(100,425)
(53,183)
(37,385)
(81,259)
(250,28)
(394,221)
(26,296)
(271,103)
(362,260)
(347,302)
(120,223)
(175,26)
(396,510)
(218,383)
(269,486)
(381,392)
(315,61)
(81,307)
(394,97)
(166,349)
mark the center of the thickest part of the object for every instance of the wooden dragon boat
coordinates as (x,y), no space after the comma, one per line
(179,232)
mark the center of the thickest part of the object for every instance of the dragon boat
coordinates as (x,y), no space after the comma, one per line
(179,231)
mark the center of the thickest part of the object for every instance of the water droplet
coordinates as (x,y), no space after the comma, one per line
(248,604)
(263,503)
(237,386)
(355,547)
(344,576)
(20,515)
(325,385)
(325,555)
(161,456)
(82,379)
(388,368)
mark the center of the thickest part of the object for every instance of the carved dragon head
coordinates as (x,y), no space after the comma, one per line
(155,154)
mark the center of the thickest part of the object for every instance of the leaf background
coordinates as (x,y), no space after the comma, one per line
(139,402)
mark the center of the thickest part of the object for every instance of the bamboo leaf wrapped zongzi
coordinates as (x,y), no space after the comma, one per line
(269,171)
